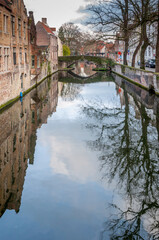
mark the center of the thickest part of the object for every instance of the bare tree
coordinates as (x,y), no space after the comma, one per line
(110,17)
(70,35)
(157,44)
(144,12)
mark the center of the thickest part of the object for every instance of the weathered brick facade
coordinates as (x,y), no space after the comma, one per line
(47,42)
(27,52)
(14,49)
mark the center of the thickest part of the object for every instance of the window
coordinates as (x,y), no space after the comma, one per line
(32,61)
(24,30)
(149,49)
(38,62)
(0,22)
(21,77)
(18,4)
(5,24)
(14,56)
(146,53)
(26,60)
(20,55)
(0,58)
(6,58)
(13,25)
(19,27)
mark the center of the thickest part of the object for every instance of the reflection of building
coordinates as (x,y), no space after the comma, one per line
(84,69)
(18,127)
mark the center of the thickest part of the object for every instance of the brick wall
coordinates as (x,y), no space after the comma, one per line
(43,38)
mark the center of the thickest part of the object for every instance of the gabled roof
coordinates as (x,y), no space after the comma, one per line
(47,28)
(6,4)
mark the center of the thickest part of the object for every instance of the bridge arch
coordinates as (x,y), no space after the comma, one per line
(66,61)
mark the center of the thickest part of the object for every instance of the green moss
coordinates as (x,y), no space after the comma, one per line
(157,76)
(66,69)
(68,58)
(48,69)
(97,60)
(100,69)
(123,68)
(130,80)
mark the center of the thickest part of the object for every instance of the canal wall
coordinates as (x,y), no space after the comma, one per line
(10,92)
(145,79)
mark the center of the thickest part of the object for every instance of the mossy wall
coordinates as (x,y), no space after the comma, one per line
(143,78)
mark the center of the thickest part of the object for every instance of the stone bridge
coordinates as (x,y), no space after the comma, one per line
(66,61)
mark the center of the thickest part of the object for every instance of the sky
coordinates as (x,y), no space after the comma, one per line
(56,11)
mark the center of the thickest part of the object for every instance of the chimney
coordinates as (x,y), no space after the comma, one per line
(44,20)
(53,29)
(30,14)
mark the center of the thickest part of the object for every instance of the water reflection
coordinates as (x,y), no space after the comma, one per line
(127,139)
(84,69)
(63,187)
(18,126)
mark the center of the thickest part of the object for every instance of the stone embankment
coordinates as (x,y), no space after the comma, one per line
(143,78)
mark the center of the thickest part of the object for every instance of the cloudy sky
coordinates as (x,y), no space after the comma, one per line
(57,11)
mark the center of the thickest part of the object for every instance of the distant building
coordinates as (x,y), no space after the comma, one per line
(47,43)
(96,48)
(110,50)
(60,47)
(150,52)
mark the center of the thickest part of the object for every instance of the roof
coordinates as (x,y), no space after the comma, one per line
(6,3)
(47,28)
(100,47)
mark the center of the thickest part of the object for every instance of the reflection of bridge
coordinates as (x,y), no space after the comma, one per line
(71,77)
(81,77)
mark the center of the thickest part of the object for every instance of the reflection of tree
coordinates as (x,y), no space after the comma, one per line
(129,152)
(70,91)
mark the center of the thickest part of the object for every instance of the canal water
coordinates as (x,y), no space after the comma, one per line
(79,160)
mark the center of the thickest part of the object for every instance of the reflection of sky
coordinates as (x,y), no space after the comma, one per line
(63,196)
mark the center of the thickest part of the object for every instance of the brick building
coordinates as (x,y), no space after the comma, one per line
(28,52)
(47,42)
(14,49)
(35,52)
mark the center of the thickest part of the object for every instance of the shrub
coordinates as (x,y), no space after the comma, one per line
(66,51)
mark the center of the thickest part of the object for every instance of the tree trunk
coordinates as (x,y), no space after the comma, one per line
(157,45)
(144,46)
(126,31)
(126,51)
(135,52)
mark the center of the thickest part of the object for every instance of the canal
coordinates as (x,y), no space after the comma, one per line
(79,160)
